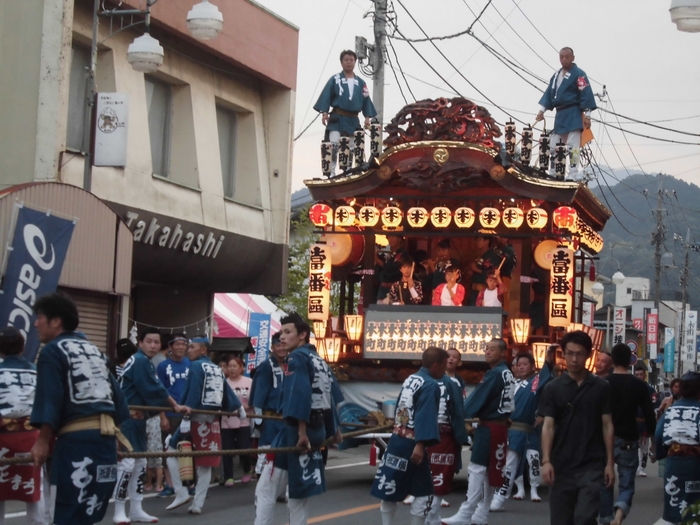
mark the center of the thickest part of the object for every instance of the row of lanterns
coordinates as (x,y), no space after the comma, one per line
(526,145)
(351,149)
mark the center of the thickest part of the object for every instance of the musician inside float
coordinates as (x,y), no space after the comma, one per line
(406,290)
(493,294)
(449,293)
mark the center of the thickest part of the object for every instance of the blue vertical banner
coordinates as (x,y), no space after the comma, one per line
(670,350)
(36,255)
(259,333)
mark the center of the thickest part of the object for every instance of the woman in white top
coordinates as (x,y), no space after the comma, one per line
(235,432)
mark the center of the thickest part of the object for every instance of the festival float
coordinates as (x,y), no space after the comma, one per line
(441,172)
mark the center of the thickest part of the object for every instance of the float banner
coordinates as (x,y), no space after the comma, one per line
(36,257)
(259,333)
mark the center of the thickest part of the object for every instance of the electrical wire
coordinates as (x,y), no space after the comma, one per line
(648,123)
(393,70)
(398,65)
(517,4)
(648,136)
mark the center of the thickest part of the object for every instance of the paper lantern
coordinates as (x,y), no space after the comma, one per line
(358,143)
(353,327)
(344,153)
(391,216)
(329,348)
(520,330)
(464,217)
(510,137)
(441,217)
(564,217)
(561,287)
(320,328)
(539,352)
(417,217)
(536,218)
(344,216)
(321,214)
(489,217)
(368,216)
(513,217)
(319,282)
(326,158)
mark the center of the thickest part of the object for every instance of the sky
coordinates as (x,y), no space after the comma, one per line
(651,71)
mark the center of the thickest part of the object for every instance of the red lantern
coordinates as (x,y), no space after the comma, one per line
(321,214)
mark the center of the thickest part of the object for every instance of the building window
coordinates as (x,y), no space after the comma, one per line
(226,121)
(629,291)
(79,64)
(159,105)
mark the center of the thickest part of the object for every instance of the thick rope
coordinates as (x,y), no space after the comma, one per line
(203,453)
(206,412)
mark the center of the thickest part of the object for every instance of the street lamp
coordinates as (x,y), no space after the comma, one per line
(686,15)
(145,54)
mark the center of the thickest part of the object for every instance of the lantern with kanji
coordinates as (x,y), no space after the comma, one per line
(513,217)
(417,217)
(561,287)
(321,214)
(391,216)
(464,217)
(489,217)
(564,218)
(344,216)
(319,282)
(536,218)
(368,216)
(440,217)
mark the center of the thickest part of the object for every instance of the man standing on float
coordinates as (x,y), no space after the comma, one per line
(345,95)
(570,93)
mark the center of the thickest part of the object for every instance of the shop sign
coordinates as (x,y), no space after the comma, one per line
(669,350)
(176,238)
(319,282)
(112,113)
(653,334)
(620,317)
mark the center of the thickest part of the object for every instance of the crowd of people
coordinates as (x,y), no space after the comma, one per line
(577,433)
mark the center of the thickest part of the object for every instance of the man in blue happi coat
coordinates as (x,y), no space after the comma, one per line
(17,436)
(141,387)
(310,417)
(405,466)
(266,395)
(345,95)
(528,388)
(678,440)
(570,93)
(79,402)
(492,402)
(206,389)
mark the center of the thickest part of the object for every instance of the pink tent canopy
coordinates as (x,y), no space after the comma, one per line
(232,311)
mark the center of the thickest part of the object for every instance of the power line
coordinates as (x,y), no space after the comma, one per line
(535,27)
(393,70)
(477,18)
(648,123)
(648,136)
(398,65)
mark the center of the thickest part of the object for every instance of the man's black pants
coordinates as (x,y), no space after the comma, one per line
(575,498)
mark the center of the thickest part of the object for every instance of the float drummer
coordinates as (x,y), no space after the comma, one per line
(570,93)
(492,402)
(346,95)
(206,389)
(17,436)
(405,467)
(141,387)
(79,400)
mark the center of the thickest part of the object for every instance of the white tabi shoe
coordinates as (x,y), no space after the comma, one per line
(408,500)
(444,503)
(520,485)
(120,513)
(497,503)
(534,496)
(457,519)
(180,499)
(194,510)
(142,517)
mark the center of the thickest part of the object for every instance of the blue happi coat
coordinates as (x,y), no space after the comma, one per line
(417,409)
(336,94)
(17,387)
(680,425)
(266,394)
(527,397)
(173,375)
(492,399)
(573,96)
(206,389)
(74,382)
(308,396)
(141,387)
(451,390)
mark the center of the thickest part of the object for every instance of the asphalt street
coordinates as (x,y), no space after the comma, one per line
(347,502)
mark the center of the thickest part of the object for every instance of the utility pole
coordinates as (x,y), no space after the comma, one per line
(375,54)
(657,240)
(684,285)
(380,8)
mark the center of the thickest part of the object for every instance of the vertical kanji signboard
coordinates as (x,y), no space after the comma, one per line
(561,287)
(319,282)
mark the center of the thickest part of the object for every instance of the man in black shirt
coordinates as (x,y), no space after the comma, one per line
(640,372)
(577,437)
(628,395)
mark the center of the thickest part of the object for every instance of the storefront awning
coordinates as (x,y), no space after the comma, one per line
(232,312)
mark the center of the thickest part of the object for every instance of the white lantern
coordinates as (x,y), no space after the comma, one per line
(440,216)
(513,217)
(392,216)
(489,217)
(536,218)
(417,217)
(145,54)
(205,21)
(344,216)
(368,216)
(464,217)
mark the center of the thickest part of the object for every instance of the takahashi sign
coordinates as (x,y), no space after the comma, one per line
(111,118)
